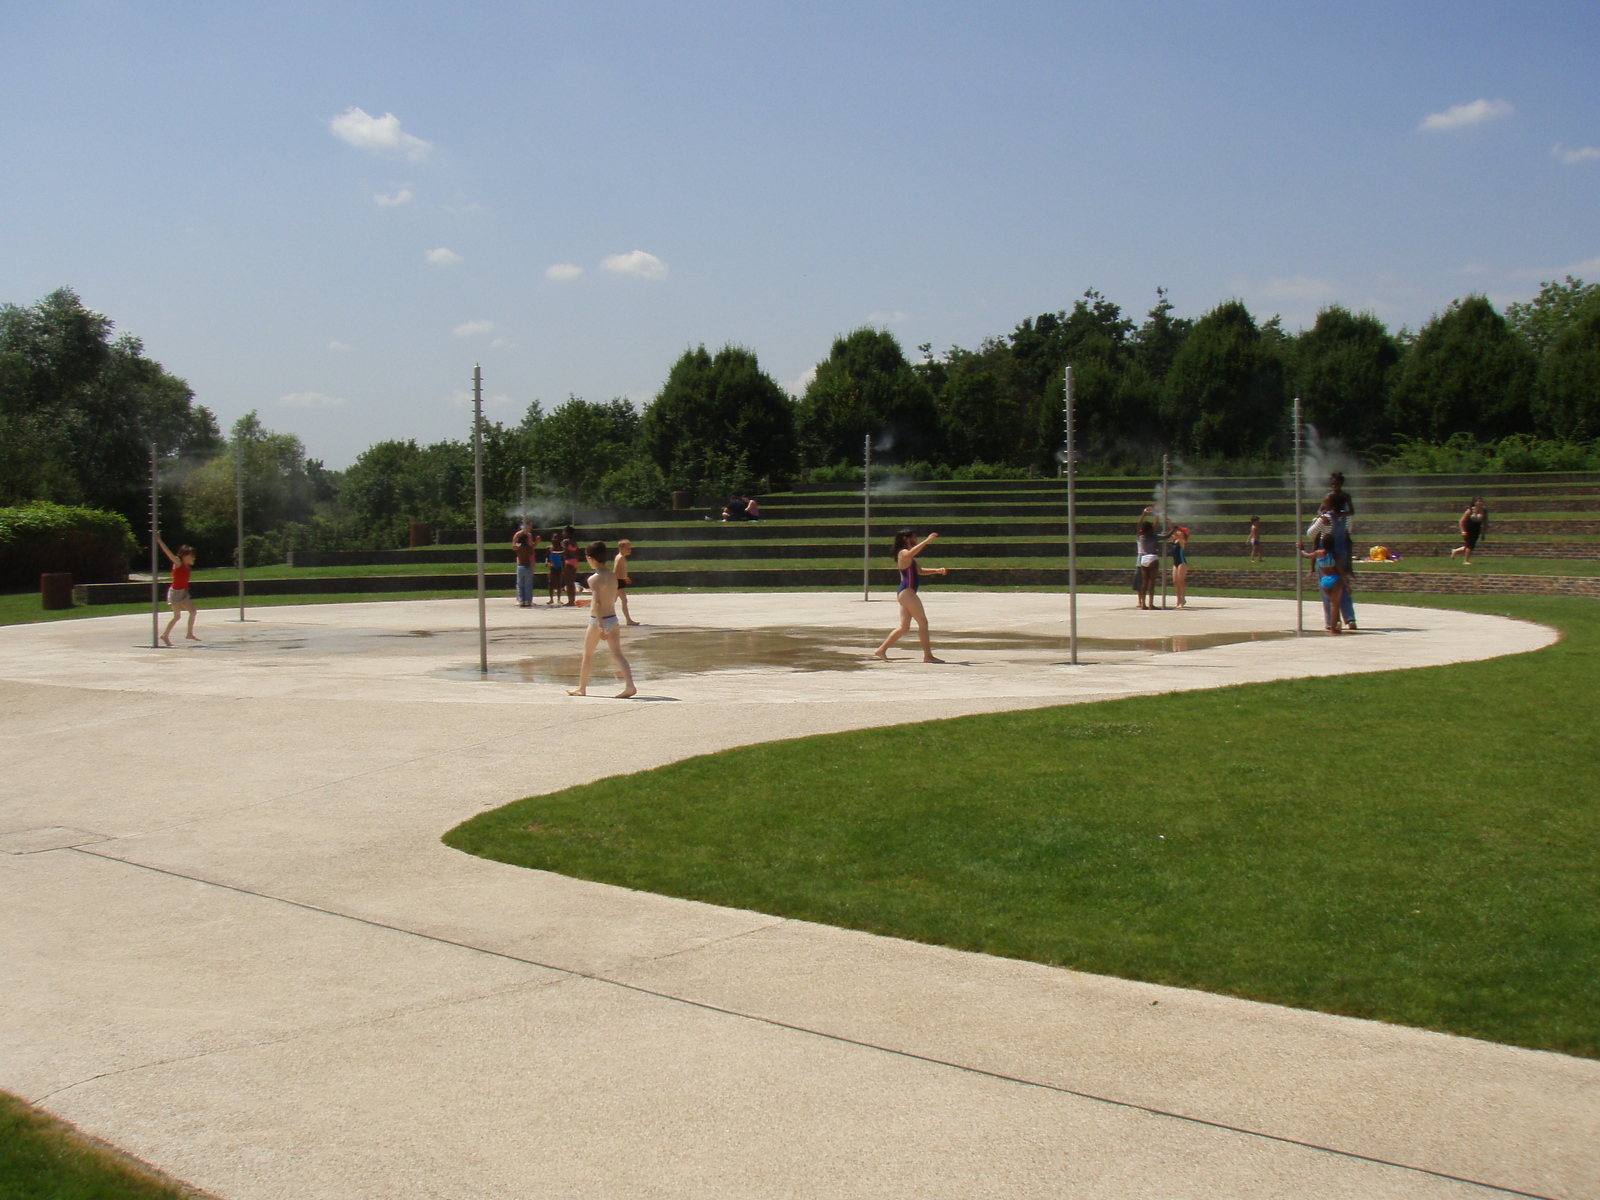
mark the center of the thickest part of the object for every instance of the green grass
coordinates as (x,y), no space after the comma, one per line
(42,1159)
(22,608)
(1419,846)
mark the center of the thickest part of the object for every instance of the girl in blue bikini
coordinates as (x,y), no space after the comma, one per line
(1330,579)
(905,558)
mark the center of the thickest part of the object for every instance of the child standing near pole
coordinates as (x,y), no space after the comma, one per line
(178,592)
(603,624)
(624,581)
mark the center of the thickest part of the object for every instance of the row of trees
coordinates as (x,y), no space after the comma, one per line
(79,408)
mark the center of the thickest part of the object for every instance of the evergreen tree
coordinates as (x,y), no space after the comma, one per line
(1224,392)
(1466,373)
(719,423)
(1345,366)
(866,388)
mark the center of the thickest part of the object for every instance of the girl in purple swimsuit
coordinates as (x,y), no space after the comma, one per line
(905,558)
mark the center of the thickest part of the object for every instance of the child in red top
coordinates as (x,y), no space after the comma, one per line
(178,593)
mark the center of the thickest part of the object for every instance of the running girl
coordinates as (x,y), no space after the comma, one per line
(905,558)
(178,593)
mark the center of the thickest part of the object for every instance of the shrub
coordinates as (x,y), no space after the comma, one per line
(91,544)
(1463,454)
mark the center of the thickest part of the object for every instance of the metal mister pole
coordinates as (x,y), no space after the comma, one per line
(1299,570)
(477,501)
(866,517)
(238,509)
(1166,524)
(155,572)
(1072,530)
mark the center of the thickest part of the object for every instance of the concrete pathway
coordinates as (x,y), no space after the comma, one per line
(232,943)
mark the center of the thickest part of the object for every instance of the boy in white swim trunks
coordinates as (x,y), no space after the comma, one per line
(603,624)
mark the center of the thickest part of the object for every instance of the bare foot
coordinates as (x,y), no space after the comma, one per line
(166,641)
(880,656)
(631,621)
(931,659)
(627,692)
(577,691)
(191,637)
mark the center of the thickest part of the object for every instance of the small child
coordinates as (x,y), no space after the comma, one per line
(1254,540)
(620,569)
(603,624)
(178,593)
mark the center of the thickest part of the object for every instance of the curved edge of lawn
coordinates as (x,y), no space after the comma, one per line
(1418,846)
(45,1158)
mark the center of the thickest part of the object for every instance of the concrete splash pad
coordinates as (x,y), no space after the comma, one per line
(234,945)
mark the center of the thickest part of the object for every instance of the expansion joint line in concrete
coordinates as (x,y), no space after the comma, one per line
(771,1022)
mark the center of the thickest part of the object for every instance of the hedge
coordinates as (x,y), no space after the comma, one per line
(93,545)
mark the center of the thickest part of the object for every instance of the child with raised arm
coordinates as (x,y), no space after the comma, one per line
(178,592)
(905,558)
(603,624)
(619,568)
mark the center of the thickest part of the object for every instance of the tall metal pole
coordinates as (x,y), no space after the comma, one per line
(477,494)
(1072,531)
(1299,568)
(524,513)
(866,516)
(155,561)
(238,508)
(1166,524)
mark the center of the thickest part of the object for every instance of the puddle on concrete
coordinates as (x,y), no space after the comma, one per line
(667,653)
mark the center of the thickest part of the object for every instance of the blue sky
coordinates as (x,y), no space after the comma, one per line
(329,211)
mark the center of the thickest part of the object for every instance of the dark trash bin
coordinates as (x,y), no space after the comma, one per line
(55,589)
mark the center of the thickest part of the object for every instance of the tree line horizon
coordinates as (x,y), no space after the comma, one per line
(79,408)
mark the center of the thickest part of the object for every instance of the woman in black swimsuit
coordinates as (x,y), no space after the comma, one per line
(1180,563)
(1474,523)
(905,557)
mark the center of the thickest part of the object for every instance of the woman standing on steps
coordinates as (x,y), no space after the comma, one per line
(905,558)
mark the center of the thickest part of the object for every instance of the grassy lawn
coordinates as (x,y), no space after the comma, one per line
(1415,846)
(42,1159)
(22,608)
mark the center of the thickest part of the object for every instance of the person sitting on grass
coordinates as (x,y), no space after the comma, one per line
(178,593)
(603,624)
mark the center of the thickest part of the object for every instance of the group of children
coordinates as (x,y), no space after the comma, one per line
(561,559)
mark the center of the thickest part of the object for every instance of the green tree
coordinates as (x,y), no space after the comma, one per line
(866,388)
(1567,402)
(78,410)
(719,423)
(1467,372)
(277,487)
(580,443)
(1224,392)
(392,483)
(1345,366)
(1543,319)
(1158,340)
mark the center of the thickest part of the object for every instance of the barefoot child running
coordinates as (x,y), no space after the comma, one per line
(619,568)
(603,624)
(178,593)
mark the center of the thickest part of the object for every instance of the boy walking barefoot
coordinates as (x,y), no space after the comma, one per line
(178,593)
(624,580)
(603,624)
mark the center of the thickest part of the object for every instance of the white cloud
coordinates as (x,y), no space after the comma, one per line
(382,135)
(474,328)
(1298,287)
(400,195)
(443,257)
(1573,157)
(798,386)
(563,272)
(885,318)
(311,400)
(1589,266)
(337,345)
(640,263)
(1458,115)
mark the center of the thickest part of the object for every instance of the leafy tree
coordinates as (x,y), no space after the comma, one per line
(1567,402)
(78,410)
(1224,392)
(719,422)
(394,482)
(579,444)
(277,488)
(866,388)
(1159,339)
(1558,306)
(1345,366)
(1466,373)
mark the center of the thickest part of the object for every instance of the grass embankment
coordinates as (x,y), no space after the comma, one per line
(42,1159)
(1415,846)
